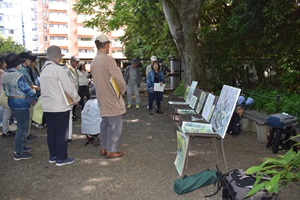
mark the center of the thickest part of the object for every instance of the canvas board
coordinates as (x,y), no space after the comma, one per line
(224,109)
(182,145)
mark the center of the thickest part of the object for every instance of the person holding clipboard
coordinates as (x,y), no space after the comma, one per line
(109,86)
(155,82)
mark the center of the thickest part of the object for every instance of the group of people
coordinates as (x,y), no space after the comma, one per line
(155,73)
(57,82)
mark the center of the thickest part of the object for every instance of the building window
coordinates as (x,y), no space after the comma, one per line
(11,31)
(45,38)
(44,1)
(44,14)
(85,51)
(58,38)
(45,26)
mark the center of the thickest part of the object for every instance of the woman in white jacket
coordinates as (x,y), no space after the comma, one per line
(83,83)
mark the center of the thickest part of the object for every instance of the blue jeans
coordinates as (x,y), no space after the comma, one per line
(157,96)
(22,116)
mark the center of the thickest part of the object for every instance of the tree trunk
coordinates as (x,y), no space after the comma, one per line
(184,22)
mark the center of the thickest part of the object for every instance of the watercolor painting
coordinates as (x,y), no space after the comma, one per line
(191,92)
(182,144)
(208,107)
(224,109)
(193,102)
(201,101)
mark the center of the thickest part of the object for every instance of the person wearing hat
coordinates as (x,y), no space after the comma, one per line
(27,72)
(20,98)
(132,78)
(56,87)
(149,67)
(111,105)
(74,62)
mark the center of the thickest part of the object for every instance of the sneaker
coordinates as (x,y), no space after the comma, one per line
(69,141)
(38,126)
(137,106)
(66,161)
(27,149)
(22,156)
(129,106)
(9,133)
(12,127)
(52,159)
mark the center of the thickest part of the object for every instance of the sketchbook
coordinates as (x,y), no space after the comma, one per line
(69,101)
(158,87)
(115,86)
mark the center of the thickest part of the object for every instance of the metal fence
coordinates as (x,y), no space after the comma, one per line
(172,81)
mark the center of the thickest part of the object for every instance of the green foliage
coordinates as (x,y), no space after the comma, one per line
(7,45)
(282,171)
(273,101)
(180,90)
(146,33)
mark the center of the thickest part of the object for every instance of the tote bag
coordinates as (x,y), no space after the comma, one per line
(3,100)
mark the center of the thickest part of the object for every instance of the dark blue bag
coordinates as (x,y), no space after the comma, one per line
(281,120)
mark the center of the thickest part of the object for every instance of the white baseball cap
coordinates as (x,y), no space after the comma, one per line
(153,58)
(102,38)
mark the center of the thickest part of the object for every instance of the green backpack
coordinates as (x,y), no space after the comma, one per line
(193,182)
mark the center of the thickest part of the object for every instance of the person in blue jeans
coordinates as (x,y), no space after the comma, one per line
(20,98)
(155,76)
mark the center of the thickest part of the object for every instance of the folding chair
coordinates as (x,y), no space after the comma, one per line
(90,124)
(90,139)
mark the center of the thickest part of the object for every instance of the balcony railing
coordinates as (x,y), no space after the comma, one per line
(57,18)
(57,6)
(59,42)
(61,31)
(86,43)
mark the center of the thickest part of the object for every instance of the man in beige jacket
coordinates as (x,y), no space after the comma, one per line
(112,106)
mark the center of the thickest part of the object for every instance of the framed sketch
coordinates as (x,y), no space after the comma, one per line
(224,109)
(192,90)
(182,144)
(201,101)
(193,102)
(208,107)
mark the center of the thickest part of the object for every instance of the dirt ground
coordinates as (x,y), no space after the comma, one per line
(147,170)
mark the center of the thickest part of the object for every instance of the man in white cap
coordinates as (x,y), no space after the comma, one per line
(148,68)
(111,103)
(56,86)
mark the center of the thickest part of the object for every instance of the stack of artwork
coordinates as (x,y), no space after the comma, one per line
(217,126)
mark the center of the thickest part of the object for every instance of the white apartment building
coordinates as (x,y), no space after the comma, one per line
(37,24)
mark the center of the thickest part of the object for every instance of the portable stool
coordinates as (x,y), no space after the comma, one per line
(90,122)
(279,139)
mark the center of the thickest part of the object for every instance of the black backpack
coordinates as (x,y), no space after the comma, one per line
(236,184)
(234,127)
